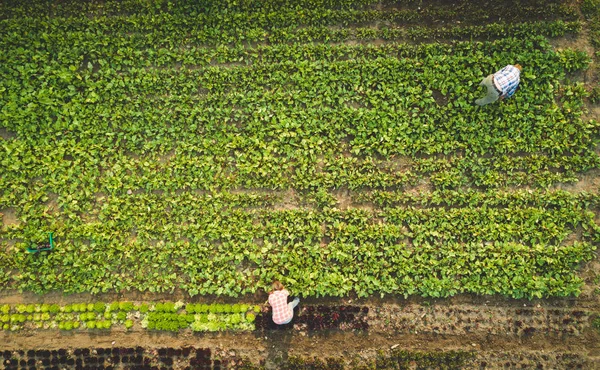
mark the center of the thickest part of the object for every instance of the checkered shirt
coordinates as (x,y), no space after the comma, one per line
(281,310)
(507,79)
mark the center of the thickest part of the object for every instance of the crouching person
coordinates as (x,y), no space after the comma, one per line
(501,84)
(283,312)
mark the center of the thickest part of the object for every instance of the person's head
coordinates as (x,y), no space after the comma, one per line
(518,66)
(277,285)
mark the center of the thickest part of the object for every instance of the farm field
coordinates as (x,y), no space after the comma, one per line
(187,154)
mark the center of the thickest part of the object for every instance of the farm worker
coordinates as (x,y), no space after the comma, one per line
(283,312)
(501,84)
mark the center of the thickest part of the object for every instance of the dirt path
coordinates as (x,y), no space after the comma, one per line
(498,330)
(277,347)
(589,301)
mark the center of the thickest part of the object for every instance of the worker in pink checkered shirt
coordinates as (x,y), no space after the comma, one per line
(283,312)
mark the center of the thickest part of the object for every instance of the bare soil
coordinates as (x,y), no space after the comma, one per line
(5,134)
(9,217)
(496,329)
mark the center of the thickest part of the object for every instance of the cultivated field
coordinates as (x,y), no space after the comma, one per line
(186,154)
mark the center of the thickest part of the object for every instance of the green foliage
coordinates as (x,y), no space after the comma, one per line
(164,318)
(89,316)
(178,133)
(596,323)
(67,325)
(595,95)
(167,321)
(190,308)
(125,306)
(128,324)
(574,60)
(216,322)
(591,8)
(103,324)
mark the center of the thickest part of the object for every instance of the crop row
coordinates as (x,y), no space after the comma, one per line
(450,360)
(166,316)
(123,53)
(518,322)
(195,49)
(591,11)
(163,35)
(204,358)
(173,317)
(314,318)
(84,214)
(140,358)
(186,15)
(222,244)
(519,198)
(111,358)
(433,252)
(227,146)
(117,175)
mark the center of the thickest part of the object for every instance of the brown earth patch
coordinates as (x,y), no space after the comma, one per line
(590,273)
(588,182)
(593,113)
(354,104)
(7,135)
(398,163)
(166,157)
(52,203)
(9,217)
(344,199)
(440,99)
(423,186)
(289,201)
(573,237)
